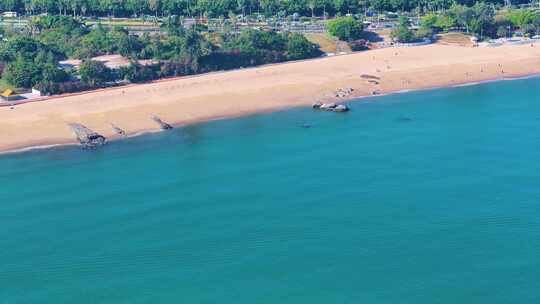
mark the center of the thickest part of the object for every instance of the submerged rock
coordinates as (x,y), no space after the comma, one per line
(404,119)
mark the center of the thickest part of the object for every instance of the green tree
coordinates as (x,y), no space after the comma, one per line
(173,25)
(402,33)
(429,21)
(21,46)
(120,41)
(94,73)
(445,22)
(154,6)
(345,28)
(22,73)
(253,40)
(463,15)
(138,73)
(52,74)
(97,42)
(298,47)
(483,20)
(522,17)
(270,7)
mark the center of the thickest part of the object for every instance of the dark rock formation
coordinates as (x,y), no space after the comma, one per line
(86,137)
(345,92)
(367,76)
(163,125)
(331,107)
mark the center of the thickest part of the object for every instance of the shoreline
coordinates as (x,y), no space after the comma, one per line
(270,88)
(180,125)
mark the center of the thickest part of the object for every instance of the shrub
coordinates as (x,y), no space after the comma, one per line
(423,33)
(502,32)
(138,73)
(359,45)
(54,88)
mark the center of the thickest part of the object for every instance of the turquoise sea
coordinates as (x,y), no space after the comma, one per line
(422,197)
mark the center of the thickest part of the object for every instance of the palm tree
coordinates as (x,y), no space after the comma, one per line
(154,6)
(312,4)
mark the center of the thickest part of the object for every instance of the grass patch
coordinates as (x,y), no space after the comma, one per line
(455,39)
(328,43)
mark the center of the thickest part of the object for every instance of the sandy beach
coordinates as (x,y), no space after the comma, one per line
(267,88)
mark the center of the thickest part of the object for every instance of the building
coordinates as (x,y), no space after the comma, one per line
(9,95)
(36,92)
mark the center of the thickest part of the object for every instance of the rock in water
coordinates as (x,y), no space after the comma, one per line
(331,107)
(95,140)
(341,108)
(86,137)
(328,106)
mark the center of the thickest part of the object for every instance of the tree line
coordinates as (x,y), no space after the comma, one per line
(218,8)
(31,58)
(483,21)
(480,20)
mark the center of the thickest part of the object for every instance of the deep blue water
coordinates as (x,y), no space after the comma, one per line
(424,197)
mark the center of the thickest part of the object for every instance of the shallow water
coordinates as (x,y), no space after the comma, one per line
(423,197)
